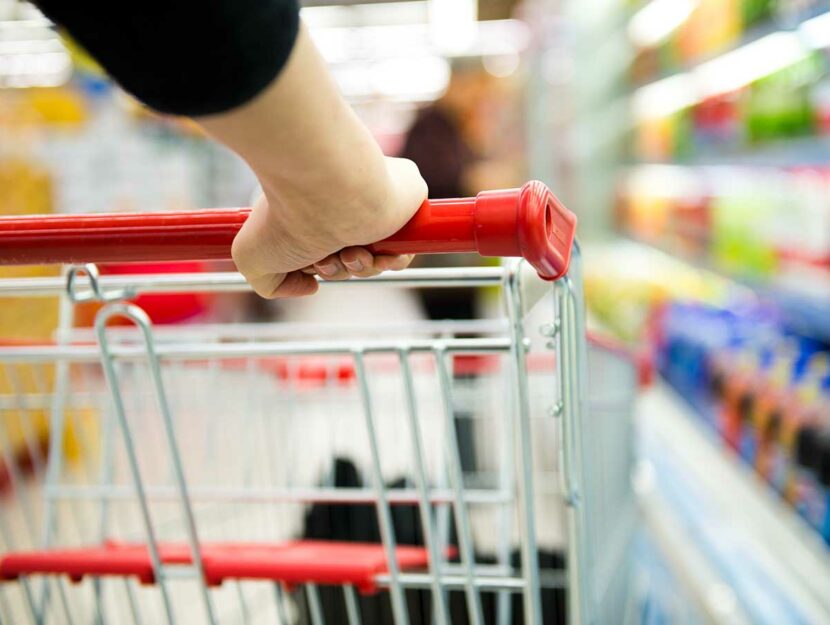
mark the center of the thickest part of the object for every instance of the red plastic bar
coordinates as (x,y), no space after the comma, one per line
(528,222)
(122,237)
(439,227)
(290,563)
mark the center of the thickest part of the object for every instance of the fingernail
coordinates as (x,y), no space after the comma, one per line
(327,270)
(354,265)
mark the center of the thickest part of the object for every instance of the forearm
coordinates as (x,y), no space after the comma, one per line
(306,144)
(328,187)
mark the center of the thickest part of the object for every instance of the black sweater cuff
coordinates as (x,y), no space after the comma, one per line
(184,57)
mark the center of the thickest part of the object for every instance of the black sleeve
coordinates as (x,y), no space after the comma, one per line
(185,57)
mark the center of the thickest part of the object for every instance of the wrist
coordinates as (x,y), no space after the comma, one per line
(344,206)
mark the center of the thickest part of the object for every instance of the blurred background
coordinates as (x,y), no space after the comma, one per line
(691,138)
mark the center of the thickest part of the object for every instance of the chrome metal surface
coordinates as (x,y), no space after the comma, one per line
(226,432)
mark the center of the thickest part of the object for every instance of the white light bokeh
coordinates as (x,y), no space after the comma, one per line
(501,65)
(652,24)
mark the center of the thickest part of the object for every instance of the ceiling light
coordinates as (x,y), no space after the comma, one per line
(375,14)
(453,23)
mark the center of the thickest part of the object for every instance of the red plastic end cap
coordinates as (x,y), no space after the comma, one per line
(529,222)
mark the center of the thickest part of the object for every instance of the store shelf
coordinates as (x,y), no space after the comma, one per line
(700,581)
(790,152)
(765,50)
(770,558)
(804,305)
(755,33)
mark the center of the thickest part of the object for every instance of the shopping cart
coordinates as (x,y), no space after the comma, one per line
(189,466)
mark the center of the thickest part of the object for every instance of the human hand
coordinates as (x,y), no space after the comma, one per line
(293,233)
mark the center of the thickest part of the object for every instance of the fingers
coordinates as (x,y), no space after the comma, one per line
(294,284)
(393,263)
(349,262)
(331,268)
(352,262)
(359,262)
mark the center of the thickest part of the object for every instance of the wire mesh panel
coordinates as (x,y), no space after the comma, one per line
(302,473)
(611,513)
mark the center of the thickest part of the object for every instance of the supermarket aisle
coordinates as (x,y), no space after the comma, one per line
(691,139)
(697,156)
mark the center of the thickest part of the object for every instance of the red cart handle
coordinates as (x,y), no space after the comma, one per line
(528,222)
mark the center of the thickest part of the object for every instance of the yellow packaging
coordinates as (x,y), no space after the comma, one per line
(26,389)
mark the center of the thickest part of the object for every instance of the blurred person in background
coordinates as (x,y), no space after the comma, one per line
(248,72)
(446,142)
(446,136)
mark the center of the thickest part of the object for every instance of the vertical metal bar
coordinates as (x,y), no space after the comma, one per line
(26,514)
(4,608)
(507,480)
(16,481)
(142,321)
(314,607)
(6,535)
(132,600)
(571,360)
(37,458)
(352,610)
(248,472)
(387,531)
(54,460)
(443,511)
(565,364)
(255,465)
(524,450)
(243,603)
(571,419)
(132,457)
(462,520)
(105,478)
(269,433)
(439,598)
(279,598)
(97,591)
(581,349)
(25,415)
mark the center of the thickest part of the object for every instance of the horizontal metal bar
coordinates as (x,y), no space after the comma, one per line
(179,571)
(217,282)
(482,581)
(200,351)
(265,331)
(43,401)
(272,495)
